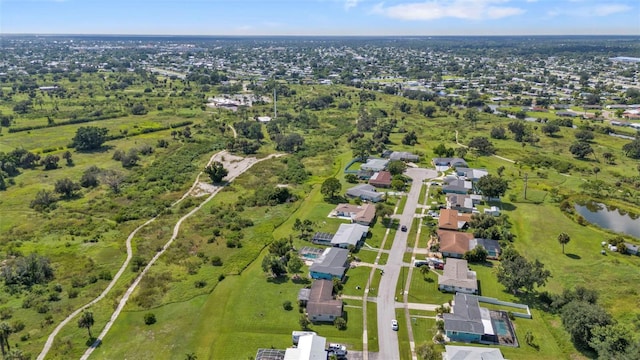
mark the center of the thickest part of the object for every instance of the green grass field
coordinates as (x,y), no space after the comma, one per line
(231,317)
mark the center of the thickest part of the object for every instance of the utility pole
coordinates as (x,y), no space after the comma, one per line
(275,104)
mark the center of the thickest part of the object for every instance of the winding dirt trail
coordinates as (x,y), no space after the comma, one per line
(236,167)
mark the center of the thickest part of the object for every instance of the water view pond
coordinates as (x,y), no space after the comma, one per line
(610,218)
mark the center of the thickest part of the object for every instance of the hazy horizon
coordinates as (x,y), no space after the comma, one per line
(320,17)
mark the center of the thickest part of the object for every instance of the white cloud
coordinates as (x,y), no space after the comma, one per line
(437,9)
(591,11)
(348,4)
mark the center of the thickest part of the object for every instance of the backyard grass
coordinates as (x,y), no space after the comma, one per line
(423,331)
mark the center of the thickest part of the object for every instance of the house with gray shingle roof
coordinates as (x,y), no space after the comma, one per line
(404,156)
(332,264)
(365,192)
(373,164)
(467,321)
(458,278)
(349,234)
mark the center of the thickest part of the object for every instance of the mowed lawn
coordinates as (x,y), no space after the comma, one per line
(614,276)
(247,313)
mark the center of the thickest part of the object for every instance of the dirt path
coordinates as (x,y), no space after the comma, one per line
(235,165)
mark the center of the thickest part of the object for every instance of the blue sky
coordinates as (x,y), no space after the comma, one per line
(321,17)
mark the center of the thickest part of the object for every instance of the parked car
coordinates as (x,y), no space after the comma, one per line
(394,325)
(419,263)
(438,266)
(339,350)
(403,228)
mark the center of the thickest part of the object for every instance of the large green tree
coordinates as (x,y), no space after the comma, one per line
(632,149)
(396,167)
(518,274)
(482,145)
(330,187)
(611,341)
(216,171)
(492,186)
(89,138)
(579,318)
(581,149)
(472,115)
(66,188)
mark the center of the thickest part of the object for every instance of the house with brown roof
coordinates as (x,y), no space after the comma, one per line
(454,243)
(321,306)
(381,179)
(451,219)
(360,214)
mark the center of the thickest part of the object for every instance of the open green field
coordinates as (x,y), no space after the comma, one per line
(231,310)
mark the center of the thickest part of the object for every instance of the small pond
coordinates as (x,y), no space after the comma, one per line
(610,218)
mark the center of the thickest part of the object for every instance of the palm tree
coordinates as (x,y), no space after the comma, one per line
(5,330)
(86,321)
(424,270)
(191,356)
(563,239)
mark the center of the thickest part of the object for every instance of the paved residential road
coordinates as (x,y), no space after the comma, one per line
(387,338)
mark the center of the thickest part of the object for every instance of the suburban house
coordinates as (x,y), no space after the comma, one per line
(331,264)
(448,163)
(365,192)
(381,179)
(471,174)
(454,243)
(310,347)
(322,307)
(566,114)
(373,164)
(307,345)
(450,219)
(461,203)
(360,214)
(471,353)
(492,246)
(457,186)
(468,321)
(493,211)
(458,278)
(349,234)
(404,156)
